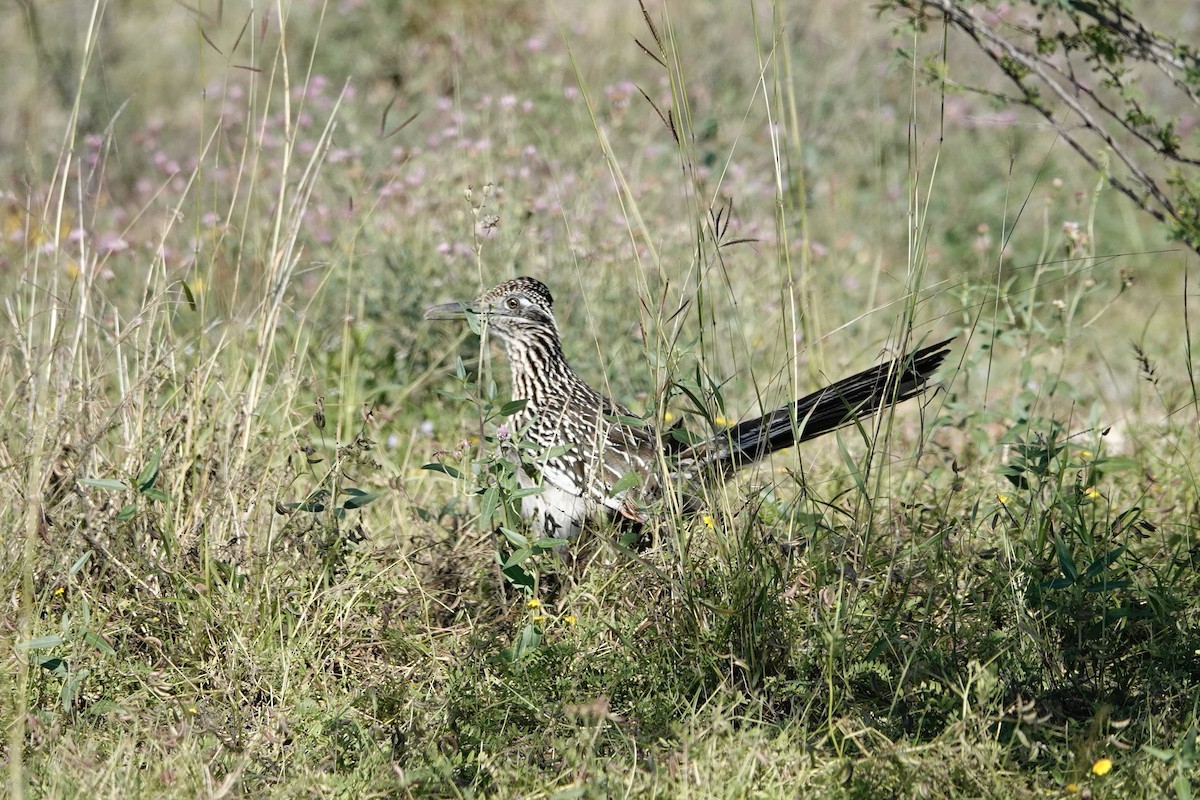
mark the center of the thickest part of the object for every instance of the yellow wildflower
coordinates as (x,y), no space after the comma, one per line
(533,602)
(1091,493)
(1003,498)
(1085,453)
(570,619)
(1072,787)
(540,618)
(668,417)
(708,521)
(1102,767)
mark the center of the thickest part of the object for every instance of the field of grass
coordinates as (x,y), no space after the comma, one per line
(228,571)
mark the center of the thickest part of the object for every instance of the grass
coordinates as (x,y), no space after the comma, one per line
(227,574)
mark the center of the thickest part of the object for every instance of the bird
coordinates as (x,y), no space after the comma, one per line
(582,445)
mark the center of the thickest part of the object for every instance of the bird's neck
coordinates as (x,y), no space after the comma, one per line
(540,373)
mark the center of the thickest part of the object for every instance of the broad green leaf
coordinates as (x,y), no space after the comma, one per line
(360,500)
(627,481)
(529,640)
(157,494)
(852,465)
(512,407)
(1118,464)
(79,563)
(149,473)
(98,642)
(487,506)
(624,419)
(684,436)
(445,469)
(520,577)
(517,557)
(310,506)
(42,642)
(556,451)
(517,539)
(105,483)
(70,688)
(1101,564)
(1066,562)
(58,666)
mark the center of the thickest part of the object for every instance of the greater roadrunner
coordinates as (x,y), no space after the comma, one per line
(588,443)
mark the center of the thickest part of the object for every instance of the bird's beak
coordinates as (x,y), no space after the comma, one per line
(448,311)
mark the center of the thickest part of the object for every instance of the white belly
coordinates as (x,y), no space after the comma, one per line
(554,512)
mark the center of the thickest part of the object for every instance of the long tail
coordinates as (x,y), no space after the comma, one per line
(828,409)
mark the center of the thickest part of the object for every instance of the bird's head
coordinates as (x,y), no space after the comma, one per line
(516,308)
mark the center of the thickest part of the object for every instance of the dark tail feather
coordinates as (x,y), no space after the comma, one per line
(834,406)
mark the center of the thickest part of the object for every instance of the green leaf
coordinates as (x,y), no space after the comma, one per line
(625,419)
(684,436)
(98,642)
(517,539)
(556,451)
(517,557)
(1016,474)
(474,324)
(627,481)
(852,465)
(70,688)
(127,513)
(1066,562)
(310,506)
(187,293)
(487,506)
(157,494)
(529,640)
(79,563)
(445,469)
(361,499)
(42,642)
(149,474)
(1101,564)
(105,483)
(519,577)
(1187,748)
(1117,464)
(1126,612)
(1182,786)
(1162,755)
(512,407)
(58,666)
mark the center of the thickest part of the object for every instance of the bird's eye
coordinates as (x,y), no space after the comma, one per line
(513,303)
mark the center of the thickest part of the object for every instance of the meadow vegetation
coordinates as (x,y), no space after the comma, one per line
(251,549)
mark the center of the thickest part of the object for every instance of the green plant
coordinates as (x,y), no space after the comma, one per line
(68,654)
